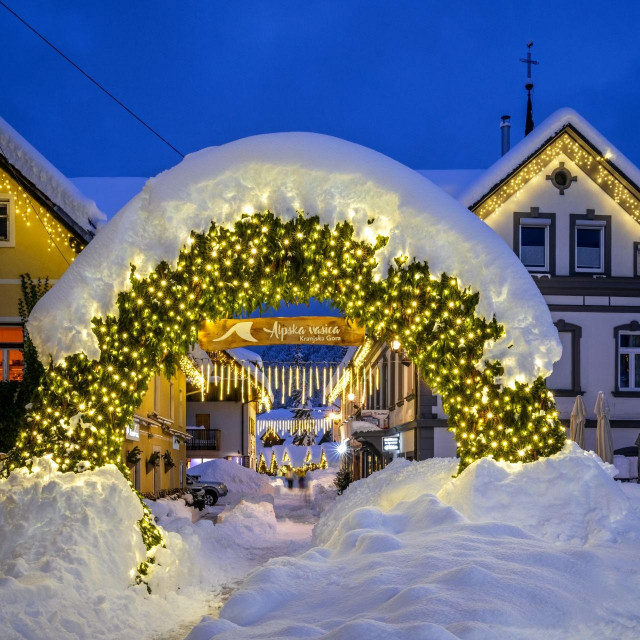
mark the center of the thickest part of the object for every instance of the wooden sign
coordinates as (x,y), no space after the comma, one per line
(229,334)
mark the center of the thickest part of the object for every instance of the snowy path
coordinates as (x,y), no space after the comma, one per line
(295,518)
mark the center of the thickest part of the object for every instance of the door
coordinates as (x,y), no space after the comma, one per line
(157,474)
(136,476)
(203,420)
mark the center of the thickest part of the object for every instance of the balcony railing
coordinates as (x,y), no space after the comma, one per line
(204,439)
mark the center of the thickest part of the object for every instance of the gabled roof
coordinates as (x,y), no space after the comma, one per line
(565,131)
(54,190)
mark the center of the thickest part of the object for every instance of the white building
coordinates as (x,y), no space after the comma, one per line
(568,203)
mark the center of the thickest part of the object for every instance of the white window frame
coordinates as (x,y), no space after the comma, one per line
(536,222)
(631,351)
(589,224)
(11,241)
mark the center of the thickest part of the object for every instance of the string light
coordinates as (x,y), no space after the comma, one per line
(217,275)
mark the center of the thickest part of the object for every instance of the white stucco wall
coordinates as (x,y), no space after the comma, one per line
(582,195)
(226,416)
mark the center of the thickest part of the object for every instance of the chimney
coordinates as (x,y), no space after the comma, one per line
(505,131)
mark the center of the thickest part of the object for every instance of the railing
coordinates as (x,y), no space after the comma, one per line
(204,439)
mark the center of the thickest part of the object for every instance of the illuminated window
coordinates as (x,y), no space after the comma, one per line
(11,357)
(629,361)
(5,226)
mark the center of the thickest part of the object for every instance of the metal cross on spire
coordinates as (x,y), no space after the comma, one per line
(528,60)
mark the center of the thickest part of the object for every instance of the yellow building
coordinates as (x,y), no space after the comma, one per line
(45,222)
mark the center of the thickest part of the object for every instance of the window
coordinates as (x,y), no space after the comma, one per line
(590,249)
(565,379)
(629,361)
(11,357)
(7,231)
(171,401)
(534,240)
(4,220)
(534,247)
(636,259)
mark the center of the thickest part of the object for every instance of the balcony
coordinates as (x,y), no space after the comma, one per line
(203,439)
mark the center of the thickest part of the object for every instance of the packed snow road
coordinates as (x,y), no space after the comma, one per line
(295,516)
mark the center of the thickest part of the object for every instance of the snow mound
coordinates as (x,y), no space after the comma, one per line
(68,548)
(251,524)
(568,497)
(240,481)
(324,176)
(412,553)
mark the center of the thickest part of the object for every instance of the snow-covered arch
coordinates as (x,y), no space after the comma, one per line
(292,216)
(324,176)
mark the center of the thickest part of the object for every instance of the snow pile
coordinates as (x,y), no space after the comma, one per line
(400,560)
(568,497)
(68,549)
(240,481)
(36,168)
(360,426)
(249,523)
(324,176)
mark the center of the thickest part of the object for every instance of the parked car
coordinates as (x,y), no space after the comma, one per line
(205,493)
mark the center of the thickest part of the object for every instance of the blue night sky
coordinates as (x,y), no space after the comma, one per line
(424,82)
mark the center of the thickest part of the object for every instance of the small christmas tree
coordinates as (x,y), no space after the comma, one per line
(273,466)
(262,464)
(343,479)
(323,460)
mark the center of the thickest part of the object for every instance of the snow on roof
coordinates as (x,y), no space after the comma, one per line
(332,178)
(110,194)
(38,170)
(453,181)
(359,426)
(536,139)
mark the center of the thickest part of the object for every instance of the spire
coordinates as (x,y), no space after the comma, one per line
(528,127)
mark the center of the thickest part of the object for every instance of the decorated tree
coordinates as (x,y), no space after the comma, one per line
(273,465)
(262,464)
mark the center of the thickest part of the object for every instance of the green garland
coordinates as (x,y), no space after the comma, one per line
(82,406)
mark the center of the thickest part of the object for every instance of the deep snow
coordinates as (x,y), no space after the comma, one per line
(324,176)
(505,551)
(69,544)
(546,550)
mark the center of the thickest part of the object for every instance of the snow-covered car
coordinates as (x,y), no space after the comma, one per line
(208,493)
